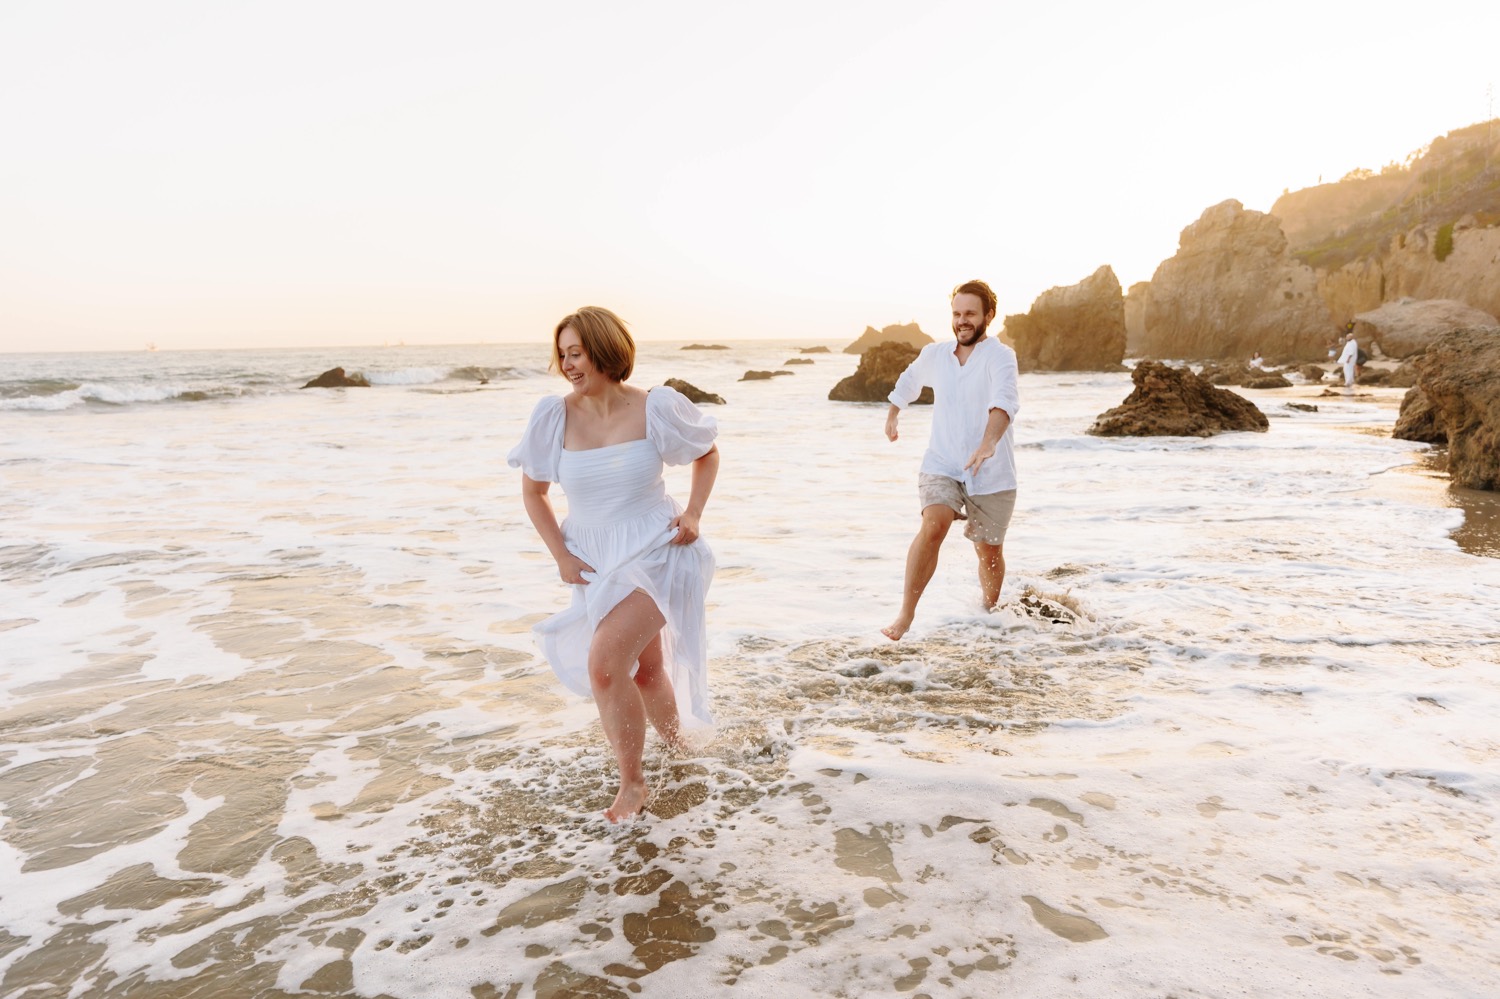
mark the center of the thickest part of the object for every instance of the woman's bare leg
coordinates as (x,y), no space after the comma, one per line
(617,646)
(658,696)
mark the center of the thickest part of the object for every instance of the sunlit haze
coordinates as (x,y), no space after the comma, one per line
(284,174)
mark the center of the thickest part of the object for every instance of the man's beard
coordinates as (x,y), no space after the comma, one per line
(971,337)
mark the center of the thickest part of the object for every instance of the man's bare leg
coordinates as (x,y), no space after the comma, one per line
(657,695)
(921,563)
(991,571)
(617,646)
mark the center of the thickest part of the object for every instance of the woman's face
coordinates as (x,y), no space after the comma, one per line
(575,362)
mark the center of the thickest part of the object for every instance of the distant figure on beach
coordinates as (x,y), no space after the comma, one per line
(1349,359)
(1257,361)
(969,469)
(634,637)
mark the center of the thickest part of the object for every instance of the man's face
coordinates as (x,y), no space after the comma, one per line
(969,320)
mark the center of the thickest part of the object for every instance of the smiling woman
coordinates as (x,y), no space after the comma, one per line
(634,637)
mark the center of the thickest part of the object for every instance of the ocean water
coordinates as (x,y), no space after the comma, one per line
(271,722)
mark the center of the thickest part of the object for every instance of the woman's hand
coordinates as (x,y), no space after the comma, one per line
(571,568)
(686,526)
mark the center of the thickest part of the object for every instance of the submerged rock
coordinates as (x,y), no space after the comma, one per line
(876,375)
(335,378)
(814,350)
(1312,373)
(798,360)
(693,392)
(1267,380)
(1174,402)
(760,376)
(704,346)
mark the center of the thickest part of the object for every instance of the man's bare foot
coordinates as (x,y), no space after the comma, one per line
(896,629)
(628,802)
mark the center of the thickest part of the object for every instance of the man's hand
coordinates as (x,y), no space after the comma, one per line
(571,568)
(982,453)
(890,424)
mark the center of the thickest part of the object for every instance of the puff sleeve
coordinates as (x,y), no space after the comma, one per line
(681,431)
(541,443)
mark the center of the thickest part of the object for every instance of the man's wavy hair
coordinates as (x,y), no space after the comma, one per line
(985,293)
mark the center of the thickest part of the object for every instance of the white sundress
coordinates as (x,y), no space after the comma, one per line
(619,517)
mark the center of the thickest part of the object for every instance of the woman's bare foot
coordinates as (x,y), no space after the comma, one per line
(628,802)
(896,629)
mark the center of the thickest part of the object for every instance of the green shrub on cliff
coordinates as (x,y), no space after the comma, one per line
(1443,245)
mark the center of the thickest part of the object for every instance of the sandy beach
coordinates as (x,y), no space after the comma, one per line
(272,724)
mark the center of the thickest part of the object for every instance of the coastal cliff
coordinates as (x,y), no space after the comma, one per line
(1233,288)
(1283,282)
(1425,229)
(1080,327)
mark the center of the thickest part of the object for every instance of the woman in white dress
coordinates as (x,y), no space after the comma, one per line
(634,636)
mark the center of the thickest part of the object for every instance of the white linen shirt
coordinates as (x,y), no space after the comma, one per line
(964,395)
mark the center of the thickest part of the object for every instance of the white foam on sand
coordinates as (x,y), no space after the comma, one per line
(1229,733)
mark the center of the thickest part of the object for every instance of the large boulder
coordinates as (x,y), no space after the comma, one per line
(1233,289)
(335,378)
(1080,327)
(694,393)
(1175,402)
(1460,376)
(1418,420)
(876,375)
(908,333)
(1407,327)
(1135,317)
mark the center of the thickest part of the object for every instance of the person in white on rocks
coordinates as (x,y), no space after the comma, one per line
(969,469)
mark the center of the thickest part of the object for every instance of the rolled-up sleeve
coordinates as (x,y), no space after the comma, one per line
(1004,391)
(911,382)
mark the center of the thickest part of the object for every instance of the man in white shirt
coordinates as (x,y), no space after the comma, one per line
(1350,360)
(969,470)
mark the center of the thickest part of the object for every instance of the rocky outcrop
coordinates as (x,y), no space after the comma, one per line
(908,333)
(704,346)
(1425,228)
(1079,327)
(693,392)
(335,378)
(813,350)
(876,375)
(798,360)
(1233,289)
(1405,376)
(1418,420)
(1311,373)
(1175,402)
(1135,317)
(1407,327)
(1267,380)
(1229,373)
(761,376)
(1460,377)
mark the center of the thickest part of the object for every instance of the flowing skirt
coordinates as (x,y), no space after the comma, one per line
(630,555)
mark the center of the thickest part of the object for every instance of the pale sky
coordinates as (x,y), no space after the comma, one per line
(238,174)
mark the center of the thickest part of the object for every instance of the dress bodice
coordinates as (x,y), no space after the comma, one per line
(609,484)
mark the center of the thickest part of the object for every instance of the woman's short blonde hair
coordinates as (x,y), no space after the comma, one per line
(605,340)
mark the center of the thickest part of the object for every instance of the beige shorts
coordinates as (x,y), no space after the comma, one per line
(988,515)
